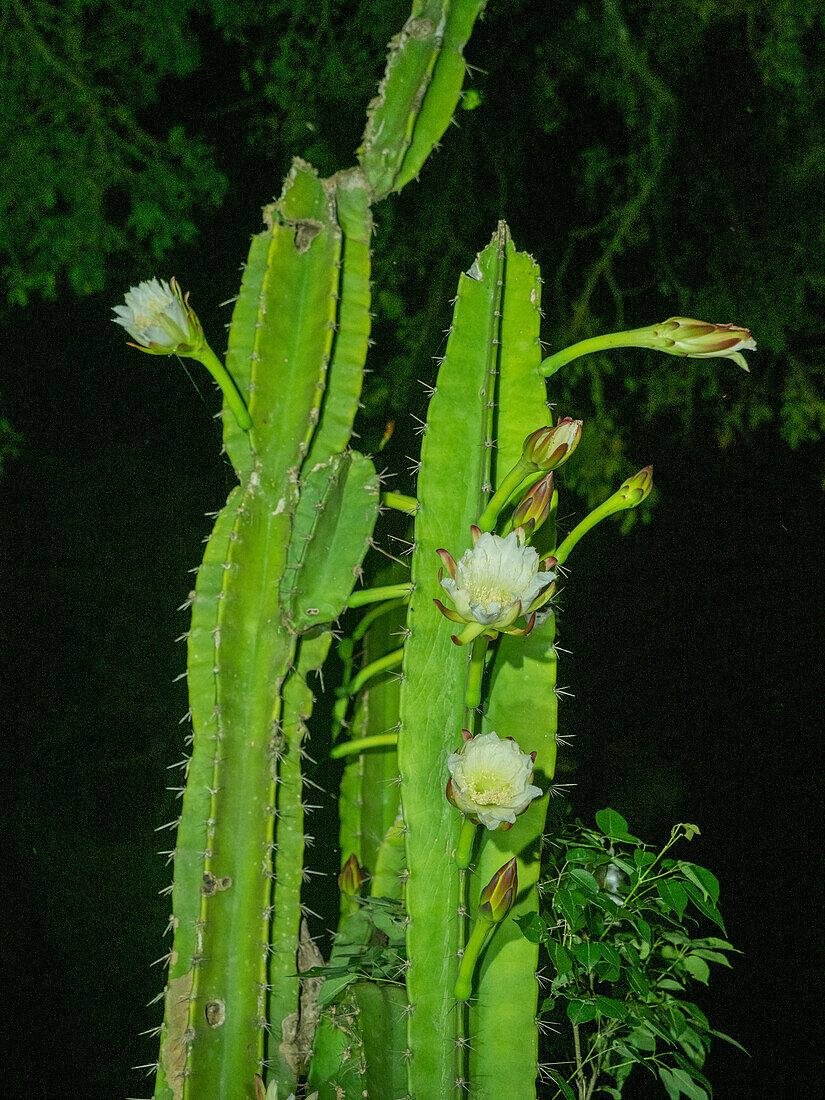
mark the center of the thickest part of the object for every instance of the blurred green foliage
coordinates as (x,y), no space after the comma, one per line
(657,157)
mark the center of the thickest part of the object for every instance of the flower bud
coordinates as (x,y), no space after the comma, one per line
(160,318)
(699,339)
(497,897)
(531,512)
(635,489)
(548,447)
(352,876)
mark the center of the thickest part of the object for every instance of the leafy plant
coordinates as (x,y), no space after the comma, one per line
(618,921)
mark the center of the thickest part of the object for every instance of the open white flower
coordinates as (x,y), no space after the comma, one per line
(490,780)
(494,583)
(158,316)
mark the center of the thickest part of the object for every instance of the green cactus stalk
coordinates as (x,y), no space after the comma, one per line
(446,716)
(283,558)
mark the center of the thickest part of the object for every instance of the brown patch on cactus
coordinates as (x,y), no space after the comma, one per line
(215,1013)
(174,1050)
(212,884)
(298,1030)
(305,232)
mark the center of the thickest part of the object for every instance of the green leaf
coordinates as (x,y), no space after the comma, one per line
(532,927)
(612,824)
(712,956)
(611,955)
(688,1085)
(727,1039)
(570,909)
(585,880)
(708,881)
(581,1012)
(557,1079)
(670,1083)
(697,968)
(637,981)
(612,1008)
(642,1038)
(587,953)
(673,895)
(333,986)
(696,895)
(559,957)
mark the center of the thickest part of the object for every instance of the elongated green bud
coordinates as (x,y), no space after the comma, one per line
(495,902)
(534,508)
(548,447)
(497,897)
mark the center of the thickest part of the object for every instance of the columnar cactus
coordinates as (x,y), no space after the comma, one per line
(431,987)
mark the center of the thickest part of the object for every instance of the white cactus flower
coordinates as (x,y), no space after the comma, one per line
(496,581)
(490,780)
(158,317)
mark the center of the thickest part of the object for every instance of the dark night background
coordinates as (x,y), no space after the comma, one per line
(697,641)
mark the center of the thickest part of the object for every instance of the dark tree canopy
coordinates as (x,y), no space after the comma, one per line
(657,158)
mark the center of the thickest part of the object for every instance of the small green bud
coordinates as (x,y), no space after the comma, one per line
(548,447)
(497,897)
(531,512)
(352,877)
(635,489)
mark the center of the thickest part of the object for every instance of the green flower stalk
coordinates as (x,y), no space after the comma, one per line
(158,316)
(495,903)
(630,494)
(675,336)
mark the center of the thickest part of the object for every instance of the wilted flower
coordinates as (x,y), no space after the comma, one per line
(491,780)
(160,318)
(494,583)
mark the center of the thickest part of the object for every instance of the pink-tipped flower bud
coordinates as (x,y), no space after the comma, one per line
(700,339)
(497,897)
(531,512)
(548,447)
(352,876)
